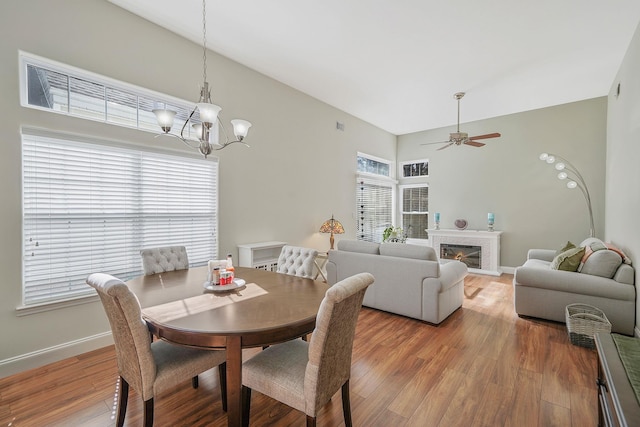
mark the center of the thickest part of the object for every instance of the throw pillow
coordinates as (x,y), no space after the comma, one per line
(617,250)
(603,263)
(566,247)
(568,260)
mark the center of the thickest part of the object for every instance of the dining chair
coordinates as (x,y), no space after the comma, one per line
(168,258)
(149,367)
(297,261)
(305,375)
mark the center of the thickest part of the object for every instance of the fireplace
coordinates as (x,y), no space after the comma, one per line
(468,254)
(478,249)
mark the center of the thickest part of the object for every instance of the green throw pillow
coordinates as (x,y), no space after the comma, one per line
(568,246)
(568,260)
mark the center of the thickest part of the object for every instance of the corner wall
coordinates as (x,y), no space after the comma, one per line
(623,161)
(532,207)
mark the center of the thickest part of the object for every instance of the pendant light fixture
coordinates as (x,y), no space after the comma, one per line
(207,130)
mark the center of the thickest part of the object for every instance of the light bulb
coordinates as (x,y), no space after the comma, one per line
(572,184)
(560,166)
(543,156)
(562,175)
(551,159)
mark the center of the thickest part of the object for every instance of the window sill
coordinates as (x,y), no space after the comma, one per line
(49,306)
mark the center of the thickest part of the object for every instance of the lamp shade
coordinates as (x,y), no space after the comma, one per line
(240,128)
(332,226)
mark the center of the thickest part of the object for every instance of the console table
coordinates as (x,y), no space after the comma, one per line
(617,403)
(484,245)
(263,255)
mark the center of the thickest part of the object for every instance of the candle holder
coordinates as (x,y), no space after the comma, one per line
(436,218)
(490,221)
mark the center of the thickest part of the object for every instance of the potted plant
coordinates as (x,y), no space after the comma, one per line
(393,234)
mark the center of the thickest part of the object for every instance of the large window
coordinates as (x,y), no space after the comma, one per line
(374,198)
(90,206)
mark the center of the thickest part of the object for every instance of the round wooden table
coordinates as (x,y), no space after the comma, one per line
(269,309)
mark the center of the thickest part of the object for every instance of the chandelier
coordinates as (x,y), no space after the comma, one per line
(207,130)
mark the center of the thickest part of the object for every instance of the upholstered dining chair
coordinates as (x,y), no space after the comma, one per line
(149,367)
(305,375)
(297,261)
(168,258)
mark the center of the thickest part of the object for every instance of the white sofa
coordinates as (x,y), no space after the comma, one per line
(408,278)
(604,281)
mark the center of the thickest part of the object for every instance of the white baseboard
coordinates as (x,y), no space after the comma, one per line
(508,270)
(35,359)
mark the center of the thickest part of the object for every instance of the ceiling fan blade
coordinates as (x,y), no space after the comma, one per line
(474,143)
(431,143)
(448,145)
(489,135)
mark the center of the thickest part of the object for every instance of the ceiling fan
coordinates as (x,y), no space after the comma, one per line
(458,137)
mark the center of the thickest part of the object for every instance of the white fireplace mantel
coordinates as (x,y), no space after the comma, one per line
(488,241)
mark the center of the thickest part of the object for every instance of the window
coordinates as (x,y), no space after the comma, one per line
(415,210)
(52,86)
(419,168)
(90,207)
(374,198)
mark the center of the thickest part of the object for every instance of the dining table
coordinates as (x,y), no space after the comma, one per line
(267,309)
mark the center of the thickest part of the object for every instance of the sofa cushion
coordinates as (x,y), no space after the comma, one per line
(603,263)
(568,260)
(359,246)
(403,250)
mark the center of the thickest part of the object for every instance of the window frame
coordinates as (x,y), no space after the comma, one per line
(412,162)
(370,178)
(106,145)
(159,100)
(401,189)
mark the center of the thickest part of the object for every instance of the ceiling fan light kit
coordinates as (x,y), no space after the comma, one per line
(459,138)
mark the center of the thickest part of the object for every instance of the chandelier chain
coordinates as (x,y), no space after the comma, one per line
(204,40)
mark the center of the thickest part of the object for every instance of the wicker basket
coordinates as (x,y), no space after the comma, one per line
(583,322)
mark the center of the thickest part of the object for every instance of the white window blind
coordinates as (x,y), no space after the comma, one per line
(374,207)
(415,210)
(89,207)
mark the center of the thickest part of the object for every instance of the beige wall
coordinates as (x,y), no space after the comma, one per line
(298,171)
(532,207)
(623,160)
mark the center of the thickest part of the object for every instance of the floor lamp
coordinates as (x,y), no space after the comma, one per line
(564,168)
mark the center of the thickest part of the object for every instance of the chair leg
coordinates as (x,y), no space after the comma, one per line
(195,382)
(148,413)
(346,404)
(311,421)
(222,374)
(122,402)
(246,405)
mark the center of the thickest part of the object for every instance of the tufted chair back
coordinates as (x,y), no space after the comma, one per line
(297,261)
(159,260)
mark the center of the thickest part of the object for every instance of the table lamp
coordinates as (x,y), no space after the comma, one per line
(332,226)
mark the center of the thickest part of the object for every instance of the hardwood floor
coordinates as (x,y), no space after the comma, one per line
(483,366)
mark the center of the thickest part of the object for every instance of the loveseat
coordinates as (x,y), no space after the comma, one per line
(591,273)
(408,278)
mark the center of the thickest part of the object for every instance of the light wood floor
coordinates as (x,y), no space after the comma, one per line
(483,366)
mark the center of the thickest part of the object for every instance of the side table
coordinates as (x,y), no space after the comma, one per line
(320,262)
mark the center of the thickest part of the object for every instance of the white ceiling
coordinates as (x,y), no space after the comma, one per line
(397,63)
